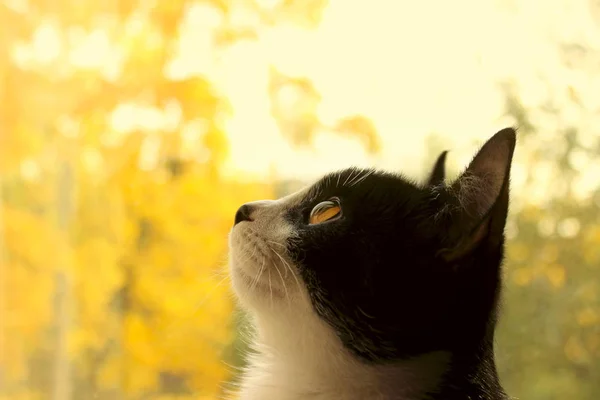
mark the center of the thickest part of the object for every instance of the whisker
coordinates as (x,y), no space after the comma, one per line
(268,244)
(348,177)
(233,367)
(362,178)
(358,175)
(287,295)
(288,267)
(272,250)
(270,288)
(254,231)
(254,250)
(247,257)
(365,314)
(258,275)
(276,243)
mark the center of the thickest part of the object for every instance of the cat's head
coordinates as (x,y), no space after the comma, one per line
(393,268)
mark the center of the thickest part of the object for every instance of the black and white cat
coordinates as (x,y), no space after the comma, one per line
(368,286)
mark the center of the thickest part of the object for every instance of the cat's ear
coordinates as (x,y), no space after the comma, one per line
(438,174)
(481,192)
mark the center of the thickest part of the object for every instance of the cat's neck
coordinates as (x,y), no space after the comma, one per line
(472,373)
(309,362)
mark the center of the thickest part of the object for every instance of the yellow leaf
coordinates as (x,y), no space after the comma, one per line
(593,343)
(111,372)
(587,317)
(575,351)
(556,275)
(522,276)
(518,251)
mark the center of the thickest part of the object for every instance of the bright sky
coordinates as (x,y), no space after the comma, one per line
(413,68)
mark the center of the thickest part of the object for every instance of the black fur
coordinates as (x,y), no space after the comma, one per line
(381,276)
(438,174)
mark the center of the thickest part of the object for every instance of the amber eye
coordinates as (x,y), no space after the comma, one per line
(325,211)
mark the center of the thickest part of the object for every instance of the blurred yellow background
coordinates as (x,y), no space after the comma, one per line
(130,132)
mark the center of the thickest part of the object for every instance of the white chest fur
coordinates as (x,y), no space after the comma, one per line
(310,363)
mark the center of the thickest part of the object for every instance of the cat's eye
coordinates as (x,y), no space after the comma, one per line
(325,211)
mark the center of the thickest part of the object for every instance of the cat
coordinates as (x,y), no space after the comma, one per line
(366,285)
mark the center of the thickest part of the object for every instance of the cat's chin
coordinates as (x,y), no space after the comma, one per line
(260,275)
(263,293)
(255,285)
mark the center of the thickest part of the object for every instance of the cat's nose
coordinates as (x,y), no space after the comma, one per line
(253,210)
(244,213)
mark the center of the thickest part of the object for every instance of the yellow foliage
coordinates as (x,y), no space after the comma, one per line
(556,275)
(24,395)
(522,276)
(588,317)
(518,251)
(588,293)
(593,343)
(142,247)
(575,350)
(591,248)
